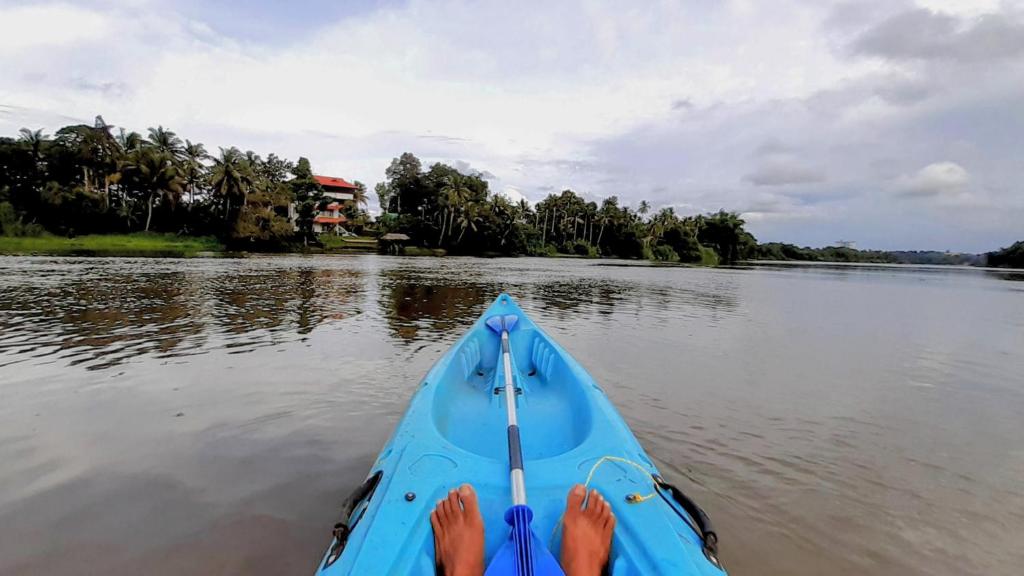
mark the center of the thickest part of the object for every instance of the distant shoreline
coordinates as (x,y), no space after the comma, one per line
(153,245)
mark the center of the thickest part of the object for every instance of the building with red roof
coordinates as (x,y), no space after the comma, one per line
(338,192)
(336,188)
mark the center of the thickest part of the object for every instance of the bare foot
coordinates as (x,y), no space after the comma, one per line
(586,533)
(458,534)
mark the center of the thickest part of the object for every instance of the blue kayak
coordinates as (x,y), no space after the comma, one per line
(455,432)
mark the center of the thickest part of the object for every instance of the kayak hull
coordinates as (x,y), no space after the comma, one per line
(454,432)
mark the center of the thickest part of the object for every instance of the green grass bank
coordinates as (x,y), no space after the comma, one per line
(140,244)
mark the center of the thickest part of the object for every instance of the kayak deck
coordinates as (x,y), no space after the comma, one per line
(454,432)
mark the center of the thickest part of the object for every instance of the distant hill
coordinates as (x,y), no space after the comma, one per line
(783,251)
(935,257)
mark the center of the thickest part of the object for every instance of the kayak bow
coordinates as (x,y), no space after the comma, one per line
(567,432)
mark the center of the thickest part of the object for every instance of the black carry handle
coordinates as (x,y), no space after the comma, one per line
(343,529)
(700,518)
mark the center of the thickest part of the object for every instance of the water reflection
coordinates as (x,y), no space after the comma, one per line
(1007,275)
(133,310)
(284,301)
(416,310)
(567,296)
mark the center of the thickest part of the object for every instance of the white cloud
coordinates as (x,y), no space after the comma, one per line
(961,8)
(665,101)
(533,83)
(513,194)
(938,179)
(48,25)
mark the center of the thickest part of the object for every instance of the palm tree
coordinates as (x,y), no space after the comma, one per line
(166,141)
(660,222)
(524,210)
(725,231)
(643,209)
(193,167)
(34,139)
(604,219)
(230,177)
(455,193)
(505,215)
(154,174)
(127,211)
(469,218)
(106,155)
(129,140)
(359,194)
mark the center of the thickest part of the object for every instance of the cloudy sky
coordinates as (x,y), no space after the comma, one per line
(892,123)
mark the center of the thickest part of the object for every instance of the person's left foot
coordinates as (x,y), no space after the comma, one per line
(458,534)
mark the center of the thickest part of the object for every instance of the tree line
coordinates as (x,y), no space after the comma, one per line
(440,207)
(789,252)
(90,179)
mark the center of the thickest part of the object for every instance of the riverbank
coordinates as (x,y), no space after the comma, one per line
(153,245)
(138,245)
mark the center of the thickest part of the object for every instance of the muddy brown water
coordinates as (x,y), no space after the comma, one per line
(208,416)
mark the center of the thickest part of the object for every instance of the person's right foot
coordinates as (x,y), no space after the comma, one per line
(586,533)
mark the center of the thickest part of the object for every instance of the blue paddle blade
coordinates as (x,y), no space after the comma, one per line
(523,554)
(499,323)
(495,323)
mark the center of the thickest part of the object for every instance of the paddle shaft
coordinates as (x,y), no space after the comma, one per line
(515,450)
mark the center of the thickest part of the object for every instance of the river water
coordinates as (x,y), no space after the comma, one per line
(208,416)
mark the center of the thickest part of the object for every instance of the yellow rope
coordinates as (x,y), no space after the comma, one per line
(637,498)
(631,498)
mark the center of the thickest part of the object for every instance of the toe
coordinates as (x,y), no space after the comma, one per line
(607,517)
(574,502)
(442,511)
(435,523)
(469,501)
(594,504)
(453,503)
(609,523)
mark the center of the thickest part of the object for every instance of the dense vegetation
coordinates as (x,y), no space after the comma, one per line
(1010,257)
(439,207)
(89,180)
